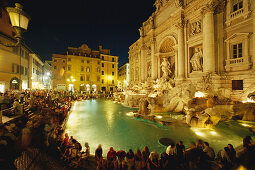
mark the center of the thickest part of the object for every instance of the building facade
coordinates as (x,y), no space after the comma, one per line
(123,76)
(85,70)
(16,62)
(47,68)
(198,37)
(36,72)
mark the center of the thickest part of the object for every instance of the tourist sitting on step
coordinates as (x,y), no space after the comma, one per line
(145,157)
(153,161)
(138,159)
(111,157)
(120,163)
(130,159)
(209,151)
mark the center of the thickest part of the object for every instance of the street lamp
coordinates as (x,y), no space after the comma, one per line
(19,20)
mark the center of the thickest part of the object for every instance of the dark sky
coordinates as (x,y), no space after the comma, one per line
(56,24)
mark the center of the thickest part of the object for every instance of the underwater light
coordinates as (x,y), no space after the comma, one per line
(159,117)
(213,132)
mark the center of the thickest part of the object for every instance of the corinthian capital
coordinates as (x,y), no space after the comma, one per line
(210,7)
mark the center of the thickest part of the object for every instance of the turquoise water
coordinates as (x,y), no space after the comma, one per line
(107,123)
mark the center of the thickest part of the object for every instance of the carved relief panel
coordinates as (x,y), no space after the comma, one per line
(195,28)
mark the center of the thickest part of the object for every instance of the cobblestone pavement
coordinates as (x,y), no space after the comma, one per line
(34,159)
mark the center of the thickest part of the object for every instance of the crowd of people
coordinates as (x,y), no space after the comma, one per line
(52,109)
(198,156)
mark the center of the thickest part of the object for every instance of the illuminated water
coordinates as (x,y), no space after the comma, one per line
(104,122)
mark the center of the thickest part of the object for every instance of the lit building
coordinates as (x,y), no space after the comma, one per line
(14,61)
(36,72)
(197,38)
(47,74)
(85,70)
(123,76)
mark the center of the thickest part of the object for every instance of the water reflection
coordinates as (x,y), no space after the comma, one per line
(104,122)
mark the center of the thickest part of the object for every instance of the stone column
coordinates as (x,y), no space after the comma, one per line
(153,60)
(181,50)
(208,38)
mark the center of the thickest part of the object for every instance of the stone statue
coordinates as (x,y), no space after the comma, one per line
(196,60)
(165,68)
(149,70)
(141,30)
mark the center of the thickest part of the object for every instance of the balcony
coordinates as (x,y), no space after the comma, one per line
(237,13)
(237,64)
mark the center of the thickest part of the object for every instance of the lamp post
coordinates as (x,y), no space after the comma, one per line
(19,20)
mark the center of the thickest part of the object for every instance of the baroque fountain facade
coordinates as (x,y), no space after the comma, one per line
(194,57)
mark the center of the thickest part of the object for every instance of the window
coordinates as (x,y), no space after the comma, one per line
(88,78)
(98,78)
(55,67)
(98,62)
(112,81)
(102,81)
(113,73)
(17,68)
(237,4)
(237,50)
(82,68)
(21,69)
(102,64)
(112,59)
(81,78)
(102,72)
(112,65)
(26,55)
(88,61)
(102,57)
(69,68)
(69,59)
(237,84)
(103,88)
(64,68)
(22,53)
(87,69)
(64,61)
(111,88)
(82,61)
(13,68)
(34,70)
(26,71)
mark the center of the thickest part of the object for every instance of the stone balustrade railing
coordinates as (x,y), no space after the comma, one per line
(236,60)
(236,13)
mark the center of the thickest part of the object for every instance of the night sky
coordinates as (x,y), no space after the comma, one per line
(55,24)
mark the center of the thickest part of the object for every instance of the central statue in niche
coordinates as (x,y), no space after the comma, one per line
(165,65)
(165,82)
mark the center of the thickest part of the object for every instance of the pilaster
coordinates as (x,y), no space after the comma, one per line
(181,49)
